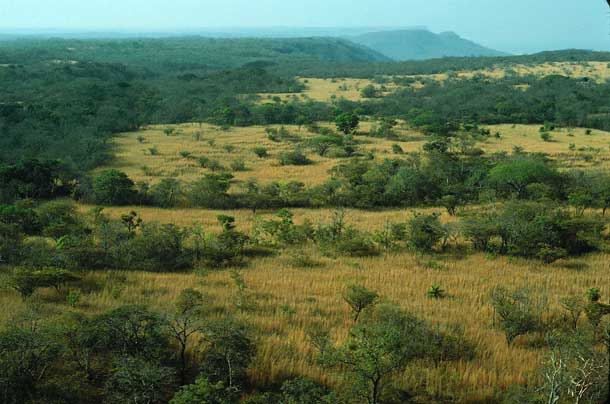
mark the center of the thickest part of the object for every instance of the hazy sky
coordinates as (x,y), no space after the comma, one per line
(509,25)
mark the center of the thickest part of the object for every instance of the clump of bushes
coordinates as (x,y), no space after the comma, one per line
(294,158)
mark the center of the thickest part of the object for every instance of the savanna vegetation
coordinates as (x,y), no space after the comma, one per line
(301,221)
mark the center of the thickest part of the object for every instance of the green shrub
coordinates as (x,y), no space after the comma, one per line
(426,232)
(294,158)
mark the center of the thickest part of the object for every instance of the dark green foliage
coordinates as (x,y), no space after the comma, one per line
(359,298)
(159,248)
(112,187)
(347,122)
(518,311)
(132,331)
(260,151)
(24,218)
(26,281)
(513,177)
(139,381)
(425,232)
(211,191)
(167,193)
(27,356)
(306,391)
(534,230)
(370,91)
(59,218)
(204,391)
(228,352)
(294,158)
(38,179)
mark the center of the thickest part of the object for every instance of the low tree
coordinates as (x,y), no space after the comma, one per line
(376,349)
(139,381)
(227,353)
(113,187)
(518,311)
(347,122)
(359,298)
(204,391)
(425,232)
(185,321)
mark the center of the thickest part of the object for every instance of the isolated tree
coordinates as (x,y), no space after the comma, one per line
(185,322)
(518,312)
(359,298)
(347,122)
(377,348)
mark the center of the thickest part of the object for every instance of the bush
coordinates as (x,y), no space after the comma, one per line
(211,191)
(113,187)
(426,232)
(294,158)
(260,151)
(518,311)
(239,165)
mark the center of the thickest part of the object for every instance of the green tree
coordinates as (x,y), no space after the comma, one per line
(228,352)
(518,311)
(359,298)
(513,177)
(113,187)
(167,193)
(347,122)
(139,381)
(205,392)
(186,321)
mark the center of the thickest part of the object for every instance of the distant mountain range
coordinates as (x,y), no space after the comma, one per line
(338,45)
(419,44)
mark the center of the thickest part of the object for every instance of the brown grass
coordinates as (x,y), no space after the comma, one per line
(315,295)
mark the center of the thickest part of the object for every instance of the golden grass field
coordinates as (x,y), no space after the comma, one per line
(327,89)
(350,89)
(597,71)
(290,301)
(134,158)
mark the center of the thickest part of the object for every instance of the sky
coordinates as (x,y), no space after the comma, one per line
(517,26)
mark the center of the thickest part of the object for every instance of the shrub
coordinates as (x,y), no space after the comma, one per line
(359,298)
(203,391)
(211,191)
(294,158)
(435,292)
(425,232)
(239,165)
(518,311)
(260,151)
(113,187)
(370,91)
(396,149)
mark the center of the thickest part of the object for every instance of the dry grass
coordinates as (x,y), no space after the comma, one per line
(590,151)
(327,89)
(598,71)
(315,297)
(135,159)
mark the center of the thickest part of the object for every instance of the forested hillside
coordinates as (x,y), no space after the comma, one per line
(417,44)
